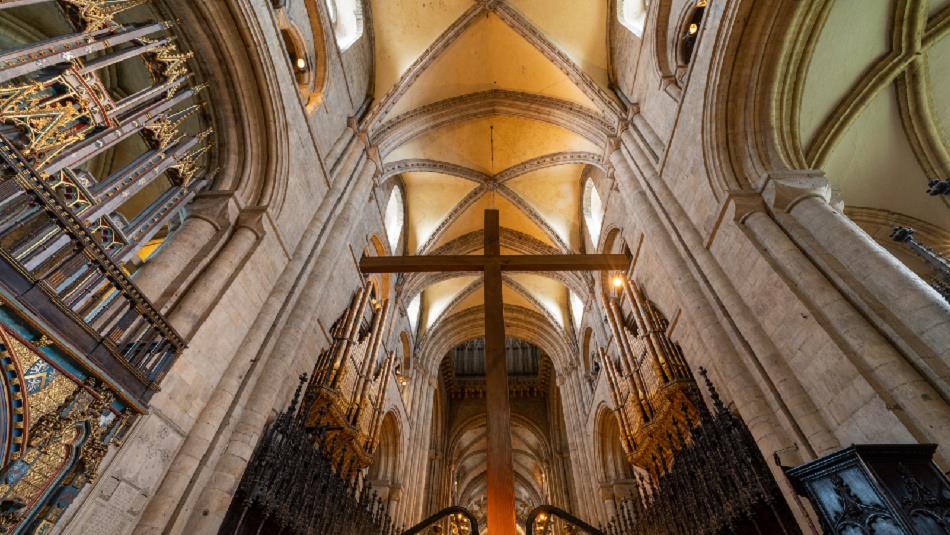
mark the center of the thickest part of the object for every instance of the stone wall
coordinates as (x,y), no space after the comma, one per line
(181,460)
(795,315)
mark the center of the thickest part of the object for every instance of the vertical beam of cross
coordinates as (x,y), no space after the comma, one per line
(500,476)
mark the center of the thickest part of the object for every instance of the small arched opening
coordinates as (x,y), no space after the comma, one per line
(346,16)
(593,209)
(689,33)
(394,218)
(633,15)
(383,474)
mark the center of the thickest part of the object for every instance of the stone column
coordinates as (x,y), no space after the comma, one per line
(911,385)
(212,428)
(213,502)
(417,464)
(208,214)
(579,444)
(395,494)
(907,310)
(785,417)
(610,500)
(859,353)
(187,315)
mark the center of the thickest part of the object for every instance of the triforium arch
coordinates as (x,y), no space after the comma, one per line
(249,119)
(615,469)
(301,29)
(384,472)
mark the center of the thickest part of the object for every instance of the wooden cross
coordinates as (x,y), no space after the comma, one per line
(500,475)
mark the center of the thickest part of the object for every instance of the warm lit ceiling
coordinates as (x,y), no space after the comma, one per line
(503,107)
(468,453)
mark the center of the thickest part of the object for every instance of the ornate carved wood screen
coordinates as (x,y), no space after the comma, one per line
(56,430)
(706,477)
(294,485)
(878,489)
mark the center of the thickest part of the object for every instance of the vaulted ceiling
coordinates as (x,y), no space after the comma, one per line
(874,109)
(468,449)
(491,104)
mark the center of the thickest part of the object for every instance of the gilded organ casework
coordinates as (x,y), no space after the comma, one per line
(103,143)
(347,390)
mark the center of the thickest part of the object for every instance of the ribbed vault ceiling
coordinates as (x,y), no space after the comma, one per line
(875,112)
(491,104)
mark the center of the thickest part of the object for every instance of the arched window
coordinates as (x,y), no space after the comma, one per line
(577,310)
(406,352)
(297,54)
(633,14)
(593,211)
(346,16)
(690,32)
(393,220)
(412,310)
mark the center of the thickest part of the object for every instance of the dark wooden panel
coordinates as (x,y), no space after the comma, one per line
(438,263)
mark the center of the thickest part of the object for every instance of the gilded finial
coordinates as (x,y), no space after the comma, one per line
(95,15)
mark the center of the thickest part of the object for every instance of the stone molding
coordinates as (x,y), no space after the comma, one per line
(451,217)
(469,323)
(384,105)
(545,161)
(553,53)
(534,215)
(412,284)
(568,115)
(424,165)
(741,204)
(219,208)
(253,220)
(521,25)
(782,190)
(518,287)
(551,160)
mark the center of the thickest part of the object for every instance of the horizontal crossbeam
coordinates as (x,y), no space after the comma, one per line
(441,263)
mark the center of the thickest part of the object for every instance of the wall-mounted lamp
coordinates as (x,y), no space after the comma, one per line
(617,282)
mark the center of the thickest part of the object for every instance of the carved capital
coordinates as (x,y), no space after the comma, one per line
(784,189)
(253,220)
(215,207)
(613,144)
(744,205)
(373,154)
